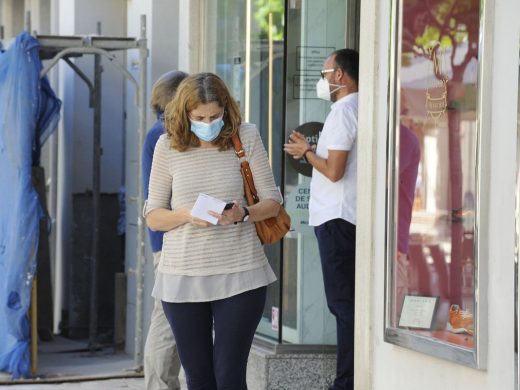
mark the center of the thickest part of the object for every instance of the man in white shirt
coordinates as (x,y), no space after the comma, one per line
(332,207)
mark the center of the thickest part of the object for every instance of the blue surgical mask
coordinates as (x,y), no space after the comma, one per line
(207,131)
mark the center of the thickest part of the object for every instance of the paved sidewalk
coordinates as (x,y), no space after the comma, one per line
(110,384)
(65,364)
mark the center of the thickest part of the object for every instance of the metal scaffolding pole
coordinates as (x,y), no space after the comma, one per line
(96,188)
(139,272)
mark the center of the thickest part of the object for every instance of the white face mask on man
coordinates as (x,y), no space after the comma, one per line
(323,88)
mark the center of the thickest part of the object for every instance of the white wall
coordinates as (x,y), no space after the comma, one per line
(164,45)
(134,10)
(75,131)
(191,34)
(63,25)
(40,15)
(162,19)
(112,15)
(380,365)
(119,18)
(174,42)
(12,17)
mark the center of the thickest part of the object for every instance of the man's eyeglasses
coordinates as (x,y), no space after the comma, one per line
(322,72)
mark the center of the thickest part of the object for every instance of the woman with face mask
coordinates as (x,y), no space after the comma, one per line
(210,277)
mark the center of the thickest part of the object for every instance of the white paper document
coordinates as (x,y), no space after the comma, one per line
(206,203)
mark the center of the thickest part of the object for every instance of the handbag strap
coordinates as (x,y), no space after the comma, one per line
(244,166)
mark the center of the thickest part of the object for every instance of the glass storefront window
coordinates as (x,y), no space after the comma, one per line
(432,157)
(314,30)
(245,48)
(271,69)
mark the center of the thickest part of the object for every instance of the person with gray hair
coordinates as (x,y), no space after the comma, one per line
(161,360)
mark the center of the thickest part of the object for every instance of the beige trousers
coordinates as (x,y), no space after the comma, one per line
(161,360)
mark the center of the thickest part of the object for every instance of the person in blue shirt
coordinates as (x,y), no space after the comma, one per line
(161,360)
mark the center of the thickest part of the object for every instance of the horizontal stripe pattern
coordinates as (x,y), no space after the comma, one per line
(176,180)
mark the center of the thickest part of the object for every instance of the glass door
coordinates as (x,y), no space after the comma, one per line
(314,30)
(270,53)
(244,43)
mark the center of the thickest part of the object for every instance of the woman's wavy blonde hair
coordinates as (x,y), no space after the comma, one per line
(201,88)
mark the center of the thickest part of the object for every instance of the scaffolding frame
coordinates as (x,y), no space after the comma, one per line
(54,48)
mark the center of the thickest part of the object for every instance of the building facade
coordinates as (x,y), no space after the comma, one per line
(446,70)
(464,237)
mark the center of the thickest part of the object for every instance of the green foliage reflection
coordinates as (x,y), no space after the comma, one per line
(263,9)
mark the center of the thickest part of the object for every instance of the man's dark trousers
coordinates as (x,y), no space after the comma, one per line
(337,245)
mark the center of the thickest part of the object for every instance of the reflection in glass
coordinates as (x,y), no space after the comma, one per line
(436,158)
(247,51)
(241,53)
(314,30)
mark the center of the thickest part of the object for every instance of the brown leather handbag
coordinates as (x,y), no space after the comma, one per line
(270,230)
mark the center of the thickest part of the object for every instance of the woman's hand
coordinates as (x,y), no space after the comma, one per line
(164,220)
(230,216)
(199,222)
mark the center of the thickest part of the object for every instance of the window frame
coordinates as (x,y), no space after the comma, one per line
(475,357)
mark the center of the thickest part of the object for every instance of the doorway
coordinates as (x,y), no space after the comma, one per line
(313,31)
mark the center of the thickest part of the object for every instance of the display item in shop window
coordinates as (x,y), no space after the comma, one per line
(437,92)
(460,321)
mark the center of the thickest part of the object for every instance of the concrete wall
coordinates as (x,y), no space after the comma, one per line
(379,364)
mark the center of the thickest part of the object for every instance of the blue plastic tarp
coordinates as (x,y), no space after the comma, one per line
(29,112)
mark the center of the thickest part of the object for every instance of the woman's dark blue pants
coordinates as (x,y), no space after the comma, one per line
(218,364)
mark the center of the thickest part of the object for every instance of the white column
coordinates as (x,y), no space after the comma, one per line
(373,81)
